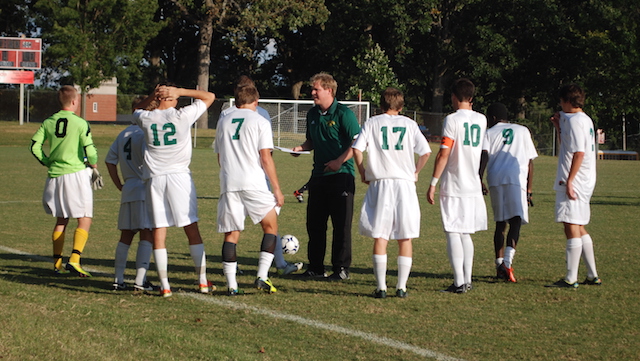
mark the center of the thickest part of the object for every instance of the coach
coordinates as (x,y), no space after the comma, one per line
(331,127)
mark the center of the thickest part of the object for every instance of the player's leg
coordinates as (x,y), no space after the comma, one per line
(80,238)
(196,249)
(58,243)
(512,241)
(467,246)
(267,248)
(379,259)
(498,246)
(405,260)
(573,250)
(162,259)
(589,258)
(230,260)
(120,260)
(455,251)
(143,258)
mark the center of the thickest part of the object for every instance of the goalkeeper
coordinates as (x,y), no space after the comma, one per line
(67,191)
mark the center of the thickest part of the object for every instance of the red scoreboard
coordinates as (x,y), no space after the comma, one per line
(20,53)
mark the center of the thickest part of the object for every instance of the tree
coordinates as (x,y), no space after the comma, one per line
(90,41)
(248,25)
(375,74)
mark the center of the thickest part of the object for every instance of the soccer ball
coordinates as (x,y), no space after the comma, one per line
(290,244)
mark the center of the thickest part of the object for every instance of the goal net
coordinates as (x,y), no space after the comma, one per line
(288,118)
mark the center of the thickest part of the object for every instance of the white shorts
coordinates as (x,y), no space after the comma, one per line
(133,216)
(390,210)
(234,207)
(463,214)
(69,195)
(576,211)
(508,201)
(172,200)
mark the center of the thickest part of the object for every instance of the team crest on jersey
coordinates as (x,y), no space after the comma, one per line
(331,123)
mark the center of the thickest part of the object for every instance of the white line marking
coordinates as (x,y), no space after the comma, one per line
(385,341)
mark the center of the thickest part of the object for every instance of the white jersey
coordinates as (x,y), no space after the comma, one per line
(390,141)
(128,151)
(576,135)
(461,176)
(239,138)
(168,137)
(510,149)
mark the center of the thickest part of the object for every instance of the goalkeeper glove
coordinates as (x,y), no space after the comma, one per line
(96,179)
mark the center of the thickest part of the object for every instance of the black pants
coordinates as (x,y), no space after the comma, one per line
(330,196)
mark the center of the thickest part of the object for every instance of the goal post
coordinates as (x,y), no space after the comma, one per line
(288,118)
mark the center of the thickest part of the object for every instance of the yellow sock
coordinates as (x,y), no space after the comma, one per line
(79,241)
(58,246)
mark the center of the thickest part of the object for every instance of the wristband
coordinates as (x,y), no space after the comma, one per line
(434,181)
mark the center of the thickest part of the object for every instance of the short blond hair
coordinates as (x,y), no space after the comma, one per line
(326,81)
(66,95)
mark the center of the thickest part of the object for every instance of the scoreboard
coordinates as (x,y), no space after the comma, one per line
(20,53)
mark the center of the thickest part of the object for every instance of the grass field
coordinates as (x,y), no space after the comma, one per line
(68,318)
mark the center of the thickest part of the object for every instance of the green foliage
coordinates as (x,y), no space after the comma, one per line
(375,74)
(90,41)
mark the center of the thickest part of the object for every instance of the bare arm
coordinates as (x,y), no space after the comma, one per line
(307,145)
(576,162)
(270,170)
(334,165)
(113,173)
(422,160)
(358,157)
(484,159)
(441,162)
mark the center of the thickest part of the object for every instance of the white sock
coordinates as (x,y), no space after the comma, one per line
(229,269)
(509,253)
(455,252)
(120,263)
(279,257)
(499,261)
(264,262)
(574,251)
(380,271)
(404,269)
(162,264)
(589,257)
(143,258)
(199,261)
(467,246)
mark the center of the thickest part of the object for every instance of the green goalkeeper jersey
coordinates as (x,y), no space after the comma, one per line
(69,142)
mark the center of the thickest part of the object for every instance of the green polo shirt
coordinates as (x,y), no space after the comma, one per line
(332,134)
(70,141)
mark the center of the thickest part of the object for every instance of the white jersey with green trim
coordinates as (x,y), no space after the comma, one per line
(461,176)
(510,148)
(168,137)
(240,136)
(390,142)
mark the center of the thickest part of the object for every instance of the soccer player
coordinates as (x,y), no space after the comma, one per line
(391,209)
(574,184)
(67,191)
(507,154)
(331,127)
(170,191)
(462,204)
(244,142)
(128,151)
(283,267)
